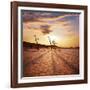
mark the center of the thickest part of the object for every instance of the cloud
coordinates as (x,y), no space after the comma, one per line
(45,29)
(37,15)
(58,18)
(41,27)
(45,23)
(29,16)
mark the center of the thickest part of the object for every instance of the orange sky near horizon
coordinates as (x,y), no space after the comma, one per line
(63,28)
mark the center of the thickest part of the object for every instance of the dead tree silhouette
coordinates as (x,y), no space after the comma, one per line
(50,41)
(54,44)
(36,40)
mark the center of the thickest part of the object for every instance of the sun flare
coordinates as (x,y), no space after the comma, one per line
(53,37)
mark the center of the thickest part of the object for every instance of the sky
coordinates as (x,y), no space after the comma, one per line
(60,27)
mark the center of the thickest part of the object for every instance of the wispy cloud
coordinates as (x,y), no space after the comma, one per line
(36,15)
(61,18)
(45,29)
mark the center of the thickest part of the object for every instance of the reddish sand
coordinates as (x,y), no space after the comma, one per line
(47,61)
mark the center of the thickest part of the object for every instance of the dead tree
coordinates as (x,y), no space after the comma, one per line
(50,41)
(54,43)
(36,40)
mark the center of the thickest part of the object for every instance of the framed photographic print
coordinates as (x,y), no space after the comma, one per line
(48,44)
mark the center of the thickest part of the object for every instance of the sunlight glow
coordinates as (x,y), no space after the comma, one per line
(53,37)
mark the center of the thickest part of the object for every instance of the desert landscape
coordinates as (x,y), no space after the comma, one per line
(50,43)
(49,60)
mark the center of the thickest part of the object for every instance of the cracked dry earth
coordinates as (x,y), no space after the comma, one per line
(47,61)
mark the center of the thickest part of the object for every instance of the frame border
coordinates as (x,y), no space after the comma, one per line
(14,44)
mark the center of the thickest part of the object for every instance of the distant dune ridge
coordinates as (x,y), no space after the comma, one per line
(34,45)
